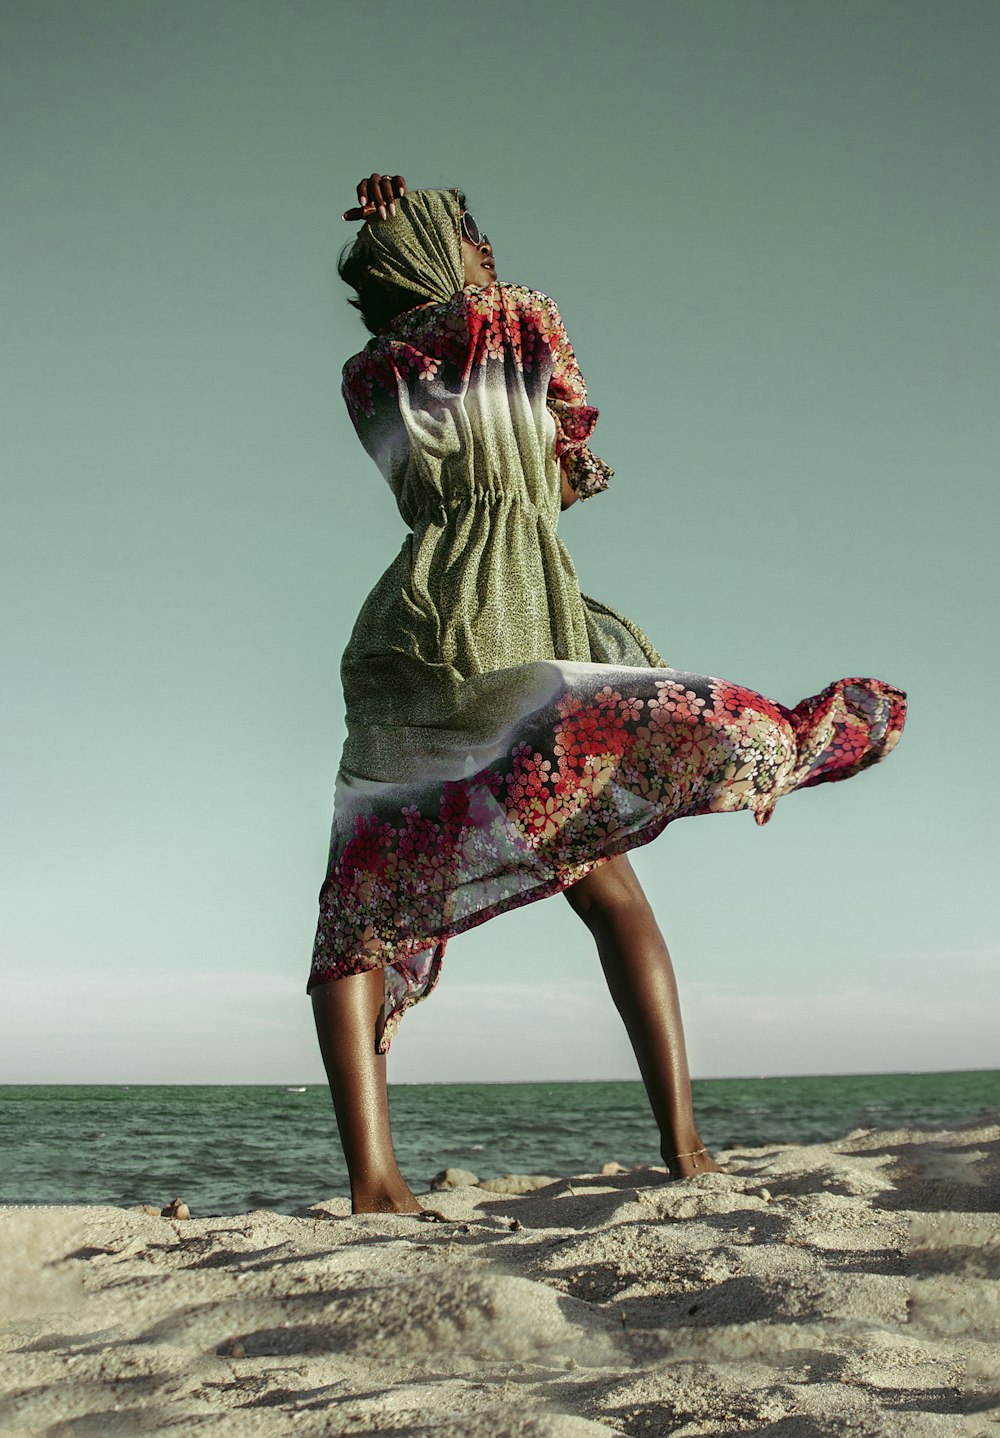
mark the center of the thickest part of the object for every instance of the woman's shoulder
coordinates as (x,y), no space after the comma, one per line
(524,296)
(447,329)
(517,299)
(413,345)
(447,316)
(527,319)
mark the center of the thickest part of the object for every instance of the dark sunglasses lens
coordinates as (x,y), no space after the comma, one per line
(471,229)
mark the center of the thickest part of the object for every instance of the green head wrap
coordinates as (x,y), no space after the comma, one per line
(420,248)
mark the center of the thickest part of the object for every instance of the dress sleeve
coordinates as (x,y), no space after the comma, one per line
(574,417)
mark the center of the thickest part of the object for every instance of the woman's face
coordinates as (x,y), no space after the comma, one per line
(480,268)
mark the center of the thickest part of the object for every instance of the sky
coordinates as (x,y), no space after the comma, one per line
(770,227)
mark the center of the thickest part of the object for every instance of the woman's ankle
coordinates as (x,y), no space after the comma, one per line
(688,1157)
(679,1138)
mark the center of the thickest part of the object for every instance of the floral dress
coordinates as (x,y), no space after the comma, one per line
(506,733)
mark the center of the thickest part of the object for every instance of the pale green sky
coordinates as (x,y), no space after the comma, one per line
(771,228)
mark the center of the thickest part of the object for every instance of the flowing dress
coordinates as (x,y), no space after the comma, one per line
(506,734)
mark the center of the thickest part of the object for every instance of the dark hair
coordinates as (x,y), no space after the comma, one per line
(378,301)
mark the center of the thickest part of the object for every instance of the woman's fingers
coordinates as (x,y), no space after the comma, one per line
(380,194)
(377,194)
(390,188)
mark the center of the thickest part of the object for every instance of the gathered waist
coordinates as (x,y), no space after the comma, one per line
(436,509)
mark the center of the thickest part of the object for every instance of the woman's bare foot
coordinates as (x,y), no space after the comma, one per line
(384,1198)
(689,1163)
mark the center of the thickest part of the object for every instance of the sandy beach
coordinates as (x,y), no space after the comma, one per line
(849,1288)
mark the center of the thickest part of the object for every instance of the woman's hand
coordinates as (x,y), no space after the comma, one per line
(377,194)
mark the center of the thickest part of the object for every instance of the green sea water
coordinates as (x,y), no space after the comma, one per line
(227,1149)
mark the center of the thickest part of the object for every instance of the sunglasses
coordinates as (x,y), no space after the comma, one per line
(471,230)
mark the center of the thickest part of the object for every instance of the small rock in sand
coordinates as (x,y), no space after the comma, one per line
(607,1169)
(231,1348)
(145,1208)
(177,1209)
(454,1178)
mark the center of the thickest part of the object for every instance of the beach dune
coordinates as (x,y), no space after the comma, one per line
(848,1288)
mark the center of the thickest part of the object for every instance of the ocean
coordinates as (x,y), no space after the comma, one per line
(227,1149)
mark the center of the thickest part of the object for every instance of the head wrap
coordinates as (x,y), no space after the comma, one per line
(418,249)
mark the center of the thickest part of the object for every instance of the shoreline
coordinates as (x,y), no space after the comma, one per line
(845,1287)
(226,1149)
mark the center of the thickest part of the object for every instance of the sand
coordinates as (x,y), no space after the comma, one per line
(847,1289)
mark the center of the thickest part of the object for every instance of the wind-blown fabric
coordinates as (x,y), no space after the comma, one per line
(506,733)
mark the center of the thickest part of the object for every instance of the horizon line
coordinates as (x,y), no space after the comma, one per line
(490,1083)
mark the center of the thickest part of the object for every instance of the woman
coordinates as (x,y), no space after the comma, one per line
(508,737)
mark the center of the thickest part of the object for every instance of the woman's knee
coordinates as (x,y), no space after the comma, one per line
(607,891)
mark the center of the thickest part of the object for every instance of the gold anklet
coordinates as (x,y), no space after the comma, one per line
(693,1154)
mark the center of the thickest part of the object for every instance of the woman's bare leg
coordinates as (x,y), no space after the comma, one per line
(640,976)
(346,1013)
